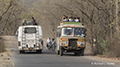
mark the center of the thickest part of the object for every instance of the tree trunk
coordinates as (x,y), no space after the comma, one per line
(117,19)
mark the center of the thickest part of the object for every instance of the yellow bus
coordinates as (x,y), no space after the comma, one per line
(70,38)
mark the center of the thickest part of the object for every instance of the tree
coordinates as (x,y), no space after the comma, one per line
(9,16)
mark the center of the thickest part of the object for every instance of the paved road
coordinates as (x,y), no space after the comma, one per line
(50,59)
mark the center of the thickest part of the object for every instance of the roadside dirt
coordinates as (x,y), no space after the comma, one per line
(6,58)
(88,50)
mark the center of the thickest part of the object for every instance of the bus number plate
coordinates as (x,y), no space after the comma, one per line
(30,48)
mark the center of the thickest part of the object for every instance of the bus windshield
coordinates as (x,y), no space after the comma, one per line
(68,31)
(30,30)
(79,32)
(73,31)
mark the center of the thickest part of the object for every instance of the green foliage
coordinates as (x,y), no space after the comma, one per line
(101,47)
(103,44)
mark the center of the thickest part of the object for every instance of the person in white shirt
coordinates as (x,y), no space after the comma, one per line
(49,42)
(76,19)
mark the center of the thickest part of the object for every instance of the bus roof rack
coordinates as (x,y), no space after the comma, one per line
(76,23)
(28,23)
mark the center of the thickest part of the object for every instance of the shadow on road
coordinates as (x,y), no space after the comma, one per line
(49,52)
(43,52)
(72,54)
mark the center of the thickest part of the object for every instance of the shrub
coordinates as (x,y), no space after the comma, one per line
(100,47)
(109,48)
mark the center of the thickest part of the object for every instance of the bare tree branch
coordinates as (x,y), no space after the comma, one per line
(63,7)
(6,9)
(102,1)
(5,24)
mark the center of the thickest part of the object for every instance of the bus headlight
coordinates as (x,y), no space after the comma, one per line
(64,42)
(80,43)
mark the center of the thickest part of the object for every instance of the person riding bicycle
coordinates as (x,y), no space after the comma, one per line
(53,44)
(49,42)
(53,41)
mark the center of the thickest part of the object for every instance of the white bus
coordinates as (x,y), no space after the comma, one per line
(30,39)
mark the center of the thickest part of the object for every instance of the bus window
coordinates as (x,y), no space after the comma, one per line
(30,30)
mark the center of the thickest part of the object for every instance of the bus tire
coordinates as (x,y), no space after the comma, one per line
(39,51)
(21,52)
(82,52)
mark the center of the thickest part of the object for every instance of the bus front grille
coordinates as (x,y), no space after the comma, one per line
(73,43)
